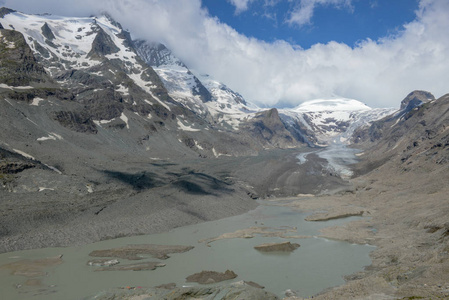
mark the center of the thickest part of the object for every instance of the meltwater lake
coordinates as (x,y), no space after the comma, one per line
(316,265)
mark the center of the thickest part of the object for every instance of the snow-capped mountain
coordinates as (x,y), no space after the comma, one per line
(120,83)
(332,118)
(201,93)
(90,77)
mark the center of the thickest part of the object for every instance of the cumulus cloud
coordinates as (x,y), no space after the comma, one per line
(303,12)
(240,5)
(380,73)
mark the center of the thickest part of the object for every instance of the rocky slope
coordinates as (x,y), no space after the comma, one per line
(402,187)
(415,134)
(86,118)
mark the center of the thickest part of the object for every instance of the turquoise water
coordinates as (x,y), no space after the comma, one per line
(318,264)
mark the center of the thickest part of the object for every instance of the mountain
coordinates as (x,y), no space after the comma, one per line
(111,124)
(86,119)
(414,135)
(327,119)
(103,136)
(99,63)
(201,93)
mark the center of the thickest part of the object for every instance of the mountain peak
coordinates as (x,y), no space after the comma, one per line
(4,11)
(47,32)
(157,54)
(102,44)
(414,99)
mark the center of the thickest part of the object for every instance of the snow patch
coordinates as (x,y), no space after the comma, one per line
(36,101)
(5,86)
(123,90)
(215,152)
(101,122)
(24,154)
(198,146)
(124,118)
(185,128)
(146,86)
(51,136)
(54,169)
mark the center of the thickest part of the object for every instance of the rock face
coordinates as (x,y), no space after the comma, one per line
(420,133)
(415,99)
(18,67)
(268,126)
(209,277)
(102,44)
(47,32)
(277,247)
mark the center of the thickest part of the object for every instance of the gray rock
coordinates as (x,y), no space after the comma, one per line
(47,32)
(208,277)
(277,247)
(414,99)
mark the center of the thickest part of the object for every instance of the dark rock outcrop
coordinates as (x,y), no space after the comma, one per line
(4,11)
(102,45)
(77,121)
(18,66)
(415,99)
(412,136)
(47,32)
(268,126)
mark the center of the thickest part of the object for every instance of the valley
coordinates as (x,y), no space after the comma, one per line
(108,141)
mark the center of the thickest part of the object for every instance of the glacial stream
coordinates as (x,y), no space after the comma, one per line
(316,265)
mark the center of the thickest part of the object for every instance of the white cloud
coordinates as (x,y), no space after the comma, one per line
(303,11)
(240,5)
(379,73)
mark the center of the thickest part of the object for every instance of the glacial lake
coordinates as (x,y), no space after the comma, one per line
(316,265)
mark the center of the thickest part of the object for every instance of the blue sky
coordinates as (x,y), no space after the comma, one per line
(280,53)
(347,24)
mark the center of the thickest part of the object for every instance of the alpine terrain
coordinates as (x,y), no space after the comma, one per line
(105,136)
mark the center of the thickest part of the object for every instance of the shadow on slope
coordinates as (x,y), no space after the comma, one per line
(138,181)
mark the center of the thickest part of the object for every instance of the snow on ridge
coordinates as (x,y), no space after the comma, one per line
(73,36)
(336,104)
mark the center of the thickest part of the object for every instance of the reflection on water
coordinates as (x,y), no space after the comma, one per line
(318,264)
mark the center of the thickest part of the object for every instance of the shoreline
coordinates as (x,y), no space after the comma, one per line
(410,259)
(406,220)
(208,190)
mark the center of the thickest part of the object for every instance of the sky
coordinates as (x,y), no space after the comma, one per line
(280,53)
